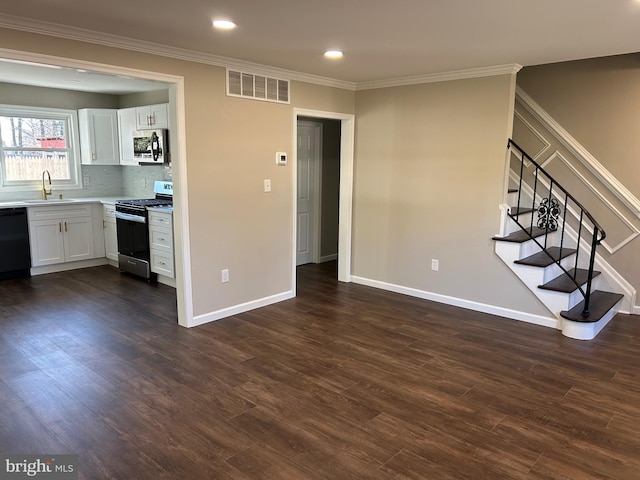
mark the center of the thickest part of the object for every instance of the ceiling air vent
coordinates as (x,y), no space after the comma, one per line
(258,87)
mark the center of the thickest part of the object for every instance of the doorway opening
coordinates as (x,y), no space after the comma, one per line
(175,86)
(323,181)
(318,190)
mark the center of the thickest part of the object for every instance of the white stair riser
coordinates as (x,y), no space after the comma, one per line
(587,331)
(533,277)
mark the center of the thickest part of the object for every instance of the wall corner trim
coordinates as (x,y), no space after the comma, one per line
(509,69)
(240,308)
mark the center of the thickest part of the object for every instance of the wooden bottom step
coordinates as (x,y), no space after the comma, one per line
(599,304)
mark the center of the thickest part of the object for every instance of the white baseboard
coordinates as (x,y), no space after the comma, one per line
(171,282)
(241,308)
(328,258)
(551,322)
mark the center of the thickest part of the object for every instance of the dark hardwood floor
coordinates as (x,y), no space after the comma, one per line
(343,382)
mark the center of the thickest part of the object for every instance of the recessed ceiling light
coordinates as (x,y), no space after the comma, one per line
(333,54)
(224,24)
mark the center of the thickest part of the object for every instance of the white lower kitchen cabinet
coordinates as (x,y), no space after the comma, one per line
(60,240)
(109,226)
(61,234)
(161,244)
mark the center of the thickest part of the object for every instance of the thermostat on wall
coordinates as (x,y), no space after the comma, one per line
(281,158)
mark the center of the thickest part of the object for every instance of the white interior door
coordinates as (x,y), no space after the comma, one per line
(307,191)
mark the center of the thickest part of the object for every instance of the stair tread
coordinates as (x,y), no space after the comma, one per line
(599,304)
(522,235)
(519,211)
(542,259)
(564,282)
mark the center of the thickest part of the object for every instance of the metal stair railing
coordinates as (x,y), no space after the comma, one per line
(554,200)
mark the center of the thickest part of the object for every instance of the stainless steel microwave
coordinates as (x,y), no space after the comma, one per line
(150,146)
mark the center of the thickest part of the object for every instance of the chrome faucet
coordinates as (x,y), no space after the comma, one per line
(46,192)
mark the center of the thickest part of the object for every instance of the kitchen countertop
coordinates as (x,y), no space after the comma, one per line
(59,202)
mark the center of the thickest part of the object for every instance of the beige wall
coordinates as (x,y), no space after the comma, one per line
(12,94)
(230,146)
(597,102)
(428,179)
(429,175)
(143,98)
(330,187)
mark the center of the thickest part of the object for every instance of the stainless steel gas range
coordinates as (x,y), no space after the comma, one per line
(133,230)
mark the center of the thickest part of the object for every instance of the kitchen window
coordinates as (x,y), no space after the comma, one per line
(38,139)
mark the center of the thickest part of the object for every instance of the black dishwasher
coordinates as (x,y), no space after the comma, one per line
(15,254)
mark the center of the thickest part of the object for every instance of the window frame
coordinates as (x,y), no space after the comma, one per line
(70,117)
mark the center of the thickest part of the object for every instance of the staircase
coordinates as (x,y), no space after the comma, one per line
(549,241)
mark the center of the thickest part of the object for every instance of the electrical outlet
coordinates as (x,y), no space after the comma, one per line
(435,264)
(86,180)
(224,275)
(267,185)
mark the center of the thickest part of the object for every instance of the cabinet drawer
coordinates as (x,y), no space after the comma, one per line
(160,238)
(162,219)
(108,211)
(55,212)
(162,263)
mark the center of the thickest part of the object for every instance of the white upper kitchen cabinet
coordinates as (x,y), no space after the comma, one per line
(99,140)
(152,116)
(126,127)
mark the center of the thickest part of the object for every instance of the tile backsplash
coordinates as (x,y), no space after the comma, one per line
(138,181)
(104,181)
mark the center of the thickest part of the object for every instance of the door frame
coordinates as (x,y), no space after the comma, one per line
(175,85)
(347,133)
(316,188)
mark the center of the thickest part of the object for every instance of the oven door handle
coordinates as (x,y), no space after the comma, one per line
(130,218)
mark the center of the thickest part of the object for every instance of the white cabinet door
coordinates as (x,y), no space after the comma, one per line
(47,243)
(61,240)
(99,139)
(126,127)
(110,232)
(78,239)
(152,116)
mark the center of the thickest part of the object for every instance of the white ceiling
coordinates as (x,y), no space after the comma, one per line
(381,39)
(72,79)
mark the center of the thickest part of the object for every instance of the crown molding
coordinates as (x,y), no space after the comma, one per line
(90,36)
(509,69)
